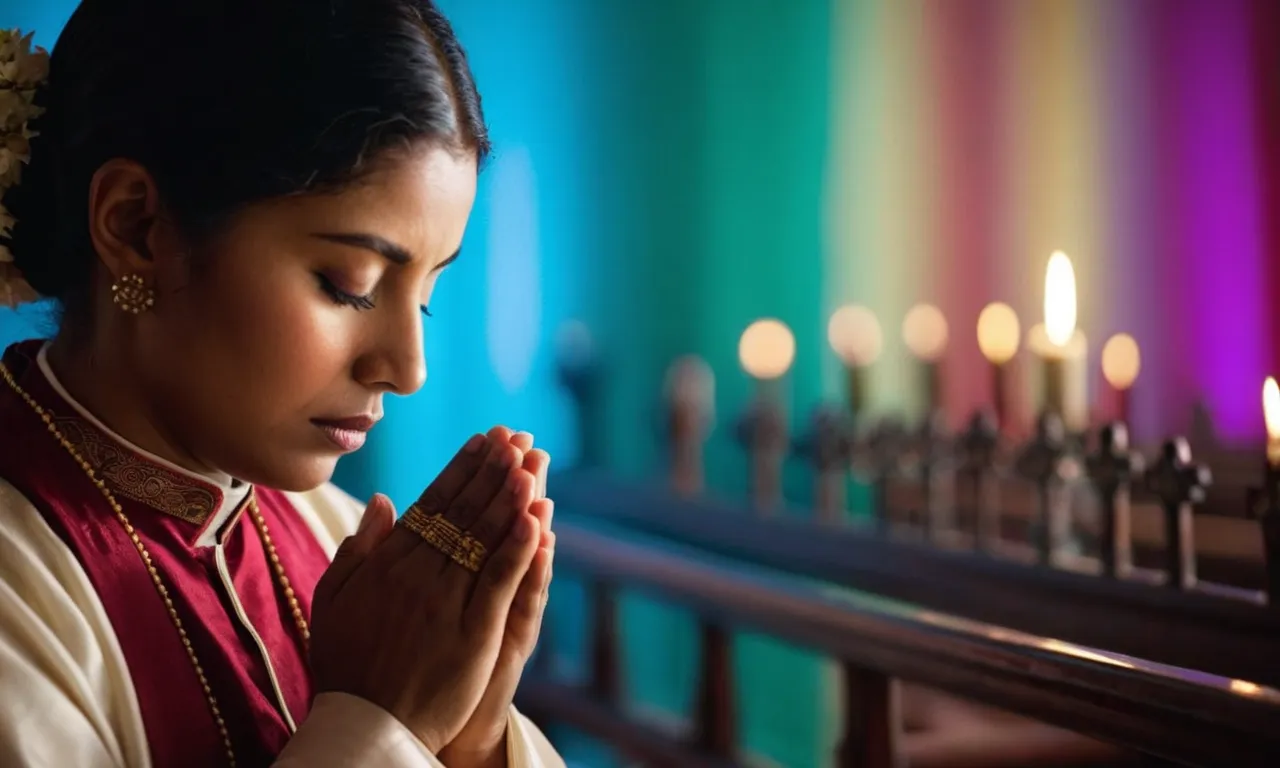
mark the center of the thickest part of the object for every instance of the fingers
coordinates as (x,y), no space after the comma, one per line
(455,476)
(514,499)
(525,617)
(376,523)
(485,485)
(544,510)
(523,441)
(537,462)
(445,488)
(499,580)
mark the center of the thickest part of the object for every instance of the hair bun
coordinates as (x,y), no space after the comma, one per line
(33,205)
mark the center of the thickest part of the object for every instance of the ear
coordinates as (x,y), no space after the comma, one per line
(126,227)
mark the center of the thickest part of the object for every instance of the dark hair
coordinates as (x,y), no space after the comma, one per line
(228,103)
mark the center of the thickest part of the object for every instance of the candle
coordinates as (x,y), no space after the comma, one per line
(766,350)
(1266,501)
(1121,362)
(1271,413)
(924,331)
(1061,347)
(855,336)
(998,336)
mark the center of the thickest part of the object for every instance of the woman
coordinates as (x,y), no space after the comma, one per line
(242,209)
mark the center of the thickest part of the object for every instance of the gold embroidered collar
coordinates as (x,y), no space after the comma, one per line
(131,472)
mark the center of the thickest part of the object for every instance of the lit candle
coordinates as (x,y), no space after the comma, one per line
(855,336)
(1271,413)
(998,336)
(1266,500)
(1061,346)
(924,331)
(1121,362)
(766,350)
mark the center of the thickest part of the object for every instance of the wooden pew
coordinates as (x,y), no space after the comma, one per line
(1185,716)
(1230,637)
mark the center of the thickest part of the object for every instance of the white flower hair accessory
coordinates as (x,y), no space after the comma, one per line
(22,71)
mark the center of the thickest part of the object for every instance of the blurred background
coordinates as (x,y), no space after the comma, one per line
(667,172)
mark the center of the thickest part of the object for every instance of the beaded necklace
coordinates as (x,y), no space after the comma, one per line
(261,524)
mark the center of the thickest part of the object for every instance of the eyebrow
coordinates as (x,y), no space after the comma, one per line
(381,246)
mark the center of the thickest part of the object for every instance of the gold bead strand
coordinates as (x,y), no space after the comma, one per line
(142,552)
(286,586)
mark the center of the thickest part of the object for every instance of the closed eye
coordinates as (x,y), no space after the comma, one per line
(343,298)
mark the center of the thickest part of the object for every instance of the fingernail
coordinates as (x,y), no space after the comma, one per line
(500,456)
(366,520)
(474,444)
(528,435)
(523,528)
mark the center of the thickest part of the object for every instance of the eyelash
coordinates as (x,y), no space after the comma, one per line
(362,303)
(340,296)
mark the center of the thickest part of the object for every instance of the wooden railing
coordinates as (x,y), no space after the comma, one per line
(1186,716)
(1194,629)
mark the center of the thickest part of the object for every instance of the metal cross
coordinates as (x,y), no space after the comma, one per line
(1041,463)
(828,446)
(879,457)
(1113,471)
(1264,506)
(1180,484)
(977,447)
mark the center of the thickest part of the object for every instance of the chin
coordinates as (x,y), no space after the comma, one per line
(302,473)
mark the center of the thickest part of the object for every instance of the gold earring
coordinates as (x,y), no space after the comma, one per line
(132,295)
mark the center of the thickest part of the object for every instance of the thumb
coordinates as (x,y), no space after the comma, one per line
(376,523)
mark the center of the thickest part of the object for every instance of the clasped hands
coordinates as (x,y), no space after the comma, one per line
(439,646)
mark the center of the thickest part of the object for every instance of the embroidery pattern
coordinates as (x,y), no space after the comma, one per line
(138,479)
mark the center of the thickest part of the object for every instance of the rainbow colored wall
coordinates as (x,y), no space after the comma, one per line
(971,138)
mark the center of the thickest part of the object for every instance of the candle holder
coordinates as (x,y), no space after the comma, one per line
(1113,470)
(927,463)
(762,431)
(1179,484)
(877,458)
(1043,463)
(1264,506)
(828,447)
(690,418)
(977,495)
(579,371)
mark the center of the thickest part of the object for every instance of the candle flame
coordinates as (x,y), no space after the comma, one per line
(924,330)
(1121,361)
(1060,299)
(767,349)
(998,332)
(855,336)
(1271,407)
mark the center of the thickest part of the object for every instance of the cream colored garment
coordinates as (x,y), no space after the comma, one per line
(66,696)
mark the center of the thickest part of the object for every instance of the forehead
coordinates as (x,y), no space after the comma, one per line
(419,200)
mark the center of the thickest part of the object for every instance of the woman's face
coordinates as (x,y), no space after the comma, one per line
(268,358)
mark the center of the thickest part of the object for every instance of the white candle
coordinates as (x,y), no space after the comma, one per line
(1271,413)
(1062,347)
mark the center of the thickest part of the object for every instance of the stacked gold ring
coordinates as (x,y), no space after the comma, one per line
(460,546)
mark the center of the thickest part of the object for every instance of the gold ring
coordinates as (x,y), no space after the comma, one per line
(460,546)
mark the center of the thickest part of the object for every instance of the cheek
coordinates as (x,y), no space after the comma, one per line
(273,332)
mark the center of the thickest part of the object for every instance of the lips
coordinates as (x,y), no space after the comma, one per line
(347,434)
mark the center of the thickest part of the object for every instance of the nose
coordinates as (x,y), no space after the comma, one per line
(395,360)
